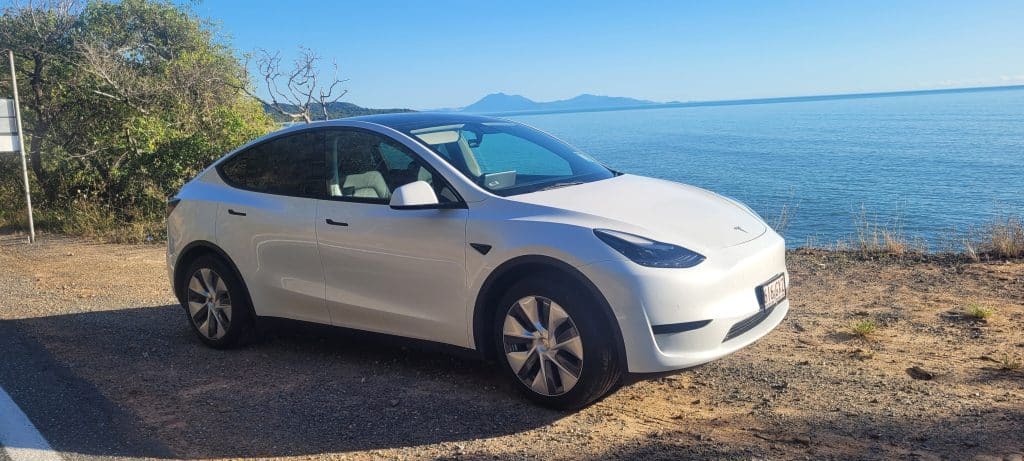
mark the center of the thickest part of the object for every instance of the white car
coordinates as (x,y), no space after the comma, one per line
(480,233)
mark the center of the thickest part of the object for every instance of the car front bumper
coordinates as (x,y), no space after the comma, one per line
(702,313)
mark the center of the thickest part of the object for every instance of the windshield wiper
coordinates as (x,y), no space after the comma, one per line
(558,185)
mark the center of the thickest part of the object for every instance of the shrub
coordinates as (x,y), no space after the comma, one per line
(1002,238)
(979,312)
(875,238)
(1010,362)
(864,328)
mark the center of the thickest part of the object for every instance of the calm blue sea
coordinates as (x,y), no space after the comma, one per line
(932,164)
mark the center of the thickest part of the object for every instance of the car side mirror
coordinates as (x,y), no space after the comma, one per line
(415,195)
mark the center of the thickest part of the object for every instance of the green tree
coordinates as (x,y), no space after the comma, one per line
(125,101)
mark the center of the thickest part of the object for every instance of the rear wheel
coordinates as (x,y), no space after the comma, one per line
(216,303)
(555,344)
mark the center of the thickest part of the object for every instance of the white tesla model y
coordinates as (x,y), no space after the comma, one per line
(480,233)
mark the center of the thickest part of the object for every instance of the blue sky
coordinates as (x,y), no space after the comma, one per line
(440,53)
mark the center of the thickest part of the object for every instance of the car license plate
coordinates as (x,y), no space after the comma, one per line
(773,292)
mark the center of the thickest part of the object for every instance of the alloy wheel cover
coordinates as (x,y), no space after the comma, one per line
(542,345)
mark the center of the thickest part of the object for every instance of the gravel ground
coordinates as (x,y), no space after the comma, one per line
(101,359)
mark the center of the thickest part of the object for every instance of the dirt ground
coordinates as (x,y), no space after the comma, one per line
(102,316)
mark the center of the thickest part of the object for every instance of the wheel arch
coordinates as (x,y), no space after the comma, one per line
(515,269)
(195,250)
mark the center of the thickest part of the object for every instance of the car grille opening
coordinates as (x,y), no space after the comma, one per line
(747,324)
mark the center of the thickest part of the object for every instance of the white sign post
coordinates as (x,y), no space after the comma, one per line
(11,139)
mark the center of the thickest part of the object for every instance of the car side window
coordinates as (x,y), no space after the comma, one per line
(368,167)
(290,165)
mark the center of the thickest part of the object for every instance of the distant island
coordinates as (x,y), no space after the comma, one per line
(504,103)
(511,104)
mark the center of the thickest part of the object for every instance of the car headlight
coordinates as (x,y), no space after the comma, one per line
(647,252)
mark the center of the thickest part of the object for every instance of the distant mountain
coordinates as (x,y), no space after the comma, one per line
(501,103)
(334,110)
(591,101)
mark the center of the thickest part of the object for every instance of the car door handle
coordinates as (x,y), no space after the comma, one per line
(236,213)
(336,223)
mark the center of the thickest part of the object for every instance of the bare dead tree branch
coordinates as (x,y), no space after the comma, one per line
(326,96)
(294,93)
(120,84)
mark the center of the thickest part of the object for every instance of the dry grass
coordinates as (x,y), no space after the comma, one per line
(1002,238)
(86,218)
(875,238)
(1010,362)
(782,220)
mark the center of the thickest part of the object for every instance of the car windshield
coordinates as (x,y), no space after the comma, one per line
(508,158)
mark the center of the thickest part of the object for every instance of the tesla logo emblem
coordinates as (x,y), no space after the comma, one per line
(740,229)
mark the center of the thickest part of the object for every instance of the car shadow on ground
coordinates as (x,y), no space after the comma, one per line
(135,382)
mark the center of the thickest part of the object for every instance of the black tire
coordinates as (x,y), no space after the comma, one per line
(241,327)
(601,368)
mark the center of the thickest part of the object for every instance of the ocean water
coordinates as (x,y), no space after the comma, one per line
(932,165)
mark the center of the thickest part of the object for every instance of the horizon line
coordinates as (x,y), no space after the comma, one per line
(752,101)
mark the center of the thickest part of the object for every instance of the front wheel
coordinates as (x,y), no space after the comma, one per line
(555,343)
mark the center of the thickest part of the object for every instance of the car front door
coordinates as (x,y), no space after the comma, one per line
(393,271)
(266,224)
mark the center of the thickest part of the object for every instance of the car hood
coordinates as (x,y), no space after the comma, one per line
(663,210)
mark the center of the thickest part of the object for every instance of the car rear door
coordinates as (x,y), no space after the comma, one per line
(400,272)
(266,224)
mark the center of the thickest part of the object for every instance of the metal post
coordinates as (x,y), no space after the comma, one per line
(21,148)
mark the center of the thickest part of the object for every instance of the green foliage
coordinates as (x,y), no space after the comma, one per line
(123,102)
(864,329)
(979,312)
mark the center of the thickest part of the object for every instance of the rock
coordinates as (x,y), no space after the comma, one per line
(807,341)
(917,372)
(802,440)
(393,403)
